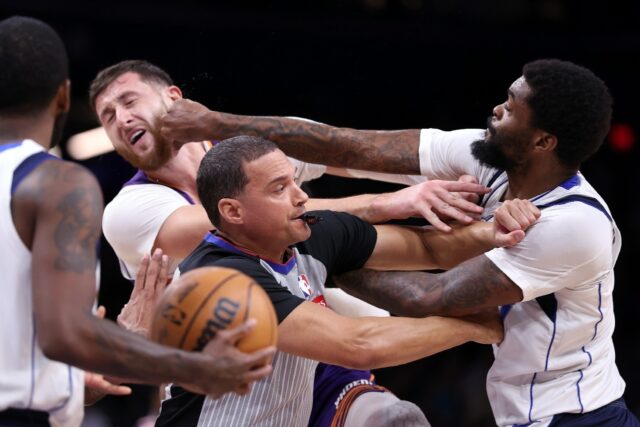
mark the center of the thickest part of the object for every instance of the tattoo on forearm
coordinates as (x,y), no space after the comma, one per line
(389,151)
(470,287)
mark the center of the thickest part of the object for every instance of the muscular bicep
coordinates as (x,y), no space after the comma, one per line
(470,287)
(182,231)
(68,210)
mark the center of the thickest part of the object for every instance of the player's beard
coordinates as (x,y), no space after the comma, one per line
(490,151)
(157,157)
(161,154)
(163,148)
(58,128)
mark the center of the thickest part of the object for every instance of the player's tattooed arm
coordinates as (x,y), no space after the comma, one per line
(77,232)
(385,151)
(471,287)
(62,206)
(67,203)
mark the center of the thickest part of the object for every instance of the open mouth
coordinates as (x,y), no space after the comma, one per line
(136,136)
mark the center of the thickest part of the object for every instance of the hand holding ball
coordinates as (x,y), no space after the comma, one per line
(207,299)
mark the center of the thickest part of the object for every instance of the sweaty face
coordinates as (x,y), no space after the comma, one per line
(129,109)
(509,136)
(272,201)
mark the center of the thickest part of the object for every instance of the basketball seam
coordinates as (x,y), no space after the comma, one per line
(248,305)
(197,311)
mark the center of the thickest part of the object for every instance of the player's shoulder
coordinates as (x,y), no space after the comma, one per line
(438,135)
(574,225)
(576,212)
(133,192)
(142,197)
(52,178)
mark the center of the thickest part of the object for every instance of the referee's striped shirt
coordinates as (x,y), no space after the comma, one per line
(339,243)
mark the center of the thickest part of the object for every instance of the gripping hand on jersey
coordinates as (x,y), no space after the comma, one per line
(512,219)
(433,200)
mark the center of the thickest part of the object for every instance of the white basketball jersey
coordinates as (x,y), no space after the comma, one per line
(28,380)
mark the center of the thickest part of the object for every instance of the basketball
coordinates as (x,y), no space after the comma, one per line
(207,299)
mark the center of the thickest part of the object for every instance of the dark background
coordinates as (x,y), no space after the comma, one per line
(377,64)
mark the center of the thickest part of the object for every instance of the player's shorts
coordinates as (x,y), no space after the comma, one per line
(335,388)
(615,414)
(23,418)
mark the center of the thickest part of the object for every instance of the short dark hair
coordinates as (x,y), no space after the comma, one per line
(221,173)
(33,65)
(147,71)
(572,103)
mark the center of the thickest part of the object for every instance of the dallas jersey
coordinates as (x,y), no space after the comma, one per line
(28,380)
(338,243)
(557,355)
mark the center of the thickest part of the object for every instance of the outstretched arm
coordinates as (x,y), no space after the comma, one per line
(375,342)
(473,286)
(431,200)
(411,248)
(469,288)
(384,151)
(184,229)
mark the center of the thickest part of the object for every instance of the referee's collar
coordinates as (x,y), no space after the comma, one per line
(282,268)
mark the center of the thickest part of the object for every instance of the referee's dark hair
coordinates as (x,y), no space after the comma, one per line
(33,65)
(572,103)
(221,173)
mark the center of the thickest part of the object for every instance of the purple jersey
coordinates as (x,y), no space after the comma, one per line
(334,390)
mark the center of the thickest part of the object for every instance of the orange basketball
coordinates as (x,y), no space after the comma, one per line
(207,299)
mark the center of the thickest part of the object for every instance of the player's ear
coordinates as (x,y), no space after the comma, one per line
(546,142)
(174,93)
(63,97)
(231,211)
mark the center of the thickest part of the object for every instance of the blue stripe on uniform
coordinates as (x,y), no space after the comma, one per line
(9,146)
(578,388)
(594,203)
(548,303)
(595,331)
(485,198)
(531,396)
(64,403)
(571,182)
(27,166)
